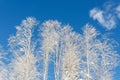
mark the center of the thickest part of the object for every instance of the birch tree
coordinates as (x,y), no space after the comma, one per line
(51,33)
(59,40)
(50,41)
(90,56)
(109,59)
(99,56)
(24,63)
(70,52)
(75,56)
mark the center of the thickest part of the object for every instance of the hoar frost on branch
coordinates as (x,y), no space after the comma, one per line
(74,56)
(99,58)
(24,62)
(70,52)
(3,66)
(49,43)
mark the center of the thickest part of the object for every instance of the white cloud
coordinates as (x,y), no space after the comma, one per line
(97,15)
(118,11)
(107,17)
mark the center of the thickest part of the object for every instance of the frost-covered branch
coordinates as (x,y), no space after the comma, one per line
(50,42)
(22,49)
(70,52)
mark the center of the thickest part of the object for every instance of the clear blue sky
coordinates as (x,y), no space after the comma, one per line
(73,12)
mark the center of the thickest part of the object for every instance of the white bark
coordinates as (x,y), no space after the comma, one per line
(109,60)
(90,51)
(70,59)
(75,56)
(49,44)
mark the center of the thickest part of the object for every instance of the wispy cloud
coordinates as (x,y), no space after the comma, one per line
(118,11)
(108,16)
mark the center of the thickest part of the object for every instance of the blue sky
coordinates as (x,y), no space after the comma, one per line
(74,12)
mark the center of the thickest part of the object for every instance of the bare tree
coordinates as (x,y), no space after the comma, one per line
(70,51)
(60,41)
(76,56)
(109,59)
(86,56)
(49,43)
(99,58)
(52,43)
(90,56)
(24,63)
